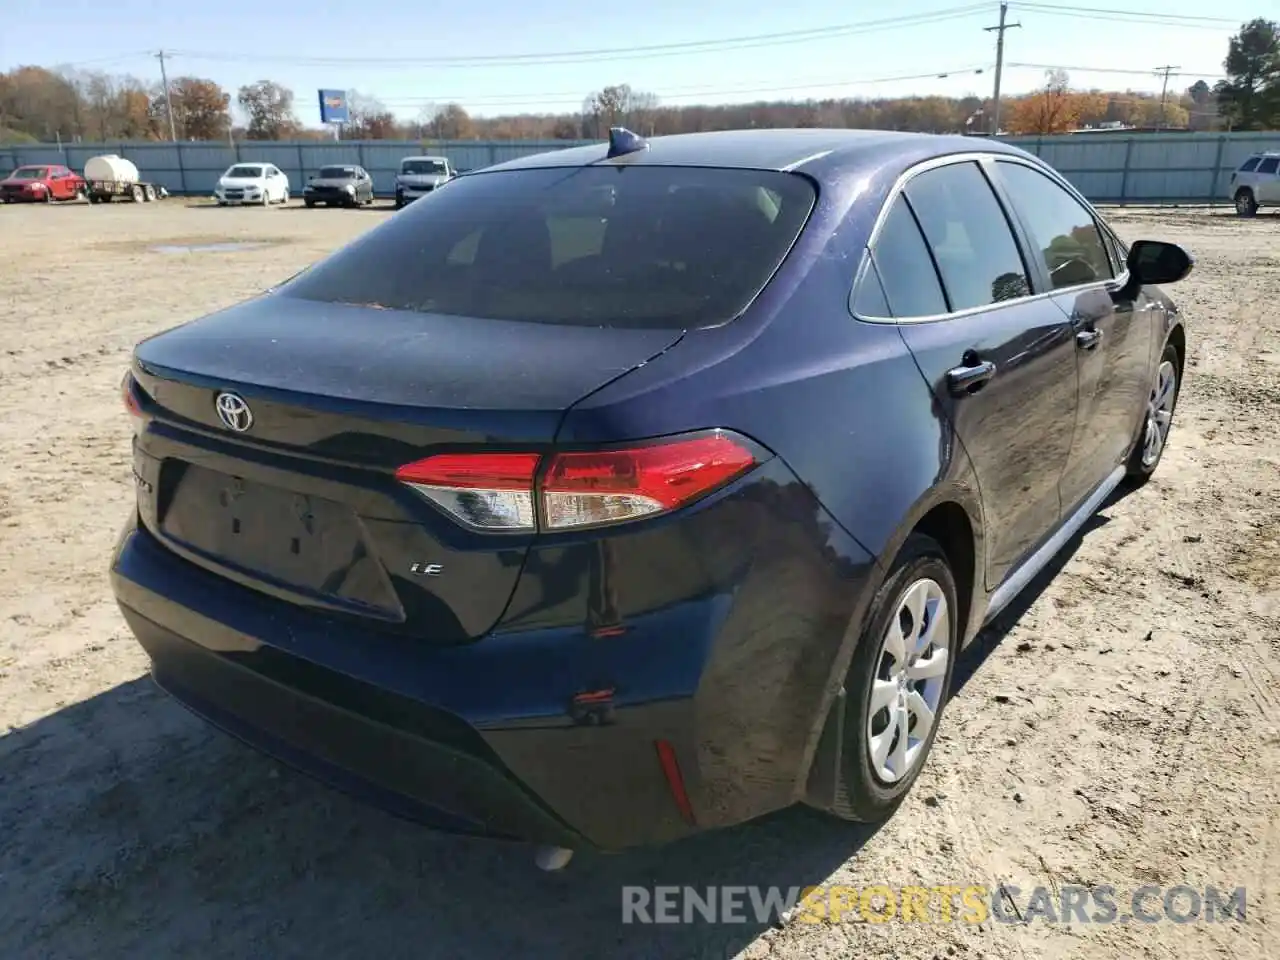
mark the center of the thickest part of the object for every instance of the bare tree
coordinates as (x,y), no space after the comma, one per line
(270,109)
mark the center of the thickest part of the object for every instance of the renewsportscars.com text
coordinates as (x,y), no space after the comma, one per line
(970,904)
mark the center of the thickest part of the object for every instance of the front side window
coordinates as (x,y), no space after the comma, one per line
(969,236)
(1062,230)
(643,246)
(1250,165)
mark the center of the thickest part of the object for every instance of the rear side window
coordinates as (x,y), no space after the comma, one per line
(642,246)
(906,270)
(1269,165)
(1063,231)
(1250,165)
(970,238)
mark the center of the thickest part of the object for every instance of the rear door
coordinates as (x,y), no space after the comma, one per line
(999,360)
(1113,339)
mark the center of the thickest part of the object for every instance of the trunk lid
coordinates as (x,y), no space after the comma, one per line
(303,503)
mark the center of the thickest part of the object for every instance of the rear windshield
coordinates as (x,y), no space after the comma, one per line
(643,246)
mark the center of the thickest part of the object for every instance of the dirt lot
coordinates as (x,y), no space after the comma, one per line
(1120,726)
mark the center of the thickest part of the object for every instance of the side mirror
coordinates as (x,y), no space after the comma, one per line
(1157,262)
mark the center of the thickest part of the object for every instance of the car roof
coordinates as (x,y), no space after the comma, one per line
(425,157)
(813,150)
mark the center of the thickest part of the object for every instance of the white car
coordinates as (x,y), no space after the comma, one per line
(261,183)
(1256,183)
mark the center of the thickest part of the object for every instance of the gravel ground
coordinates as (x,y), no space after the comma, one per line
(1120,726)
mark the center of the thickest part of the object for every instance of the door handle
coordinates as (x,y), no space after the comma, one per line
(1088,339)
(970,377)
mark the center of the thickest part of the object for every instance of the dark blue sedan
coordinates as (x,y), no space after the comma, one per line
(630,490)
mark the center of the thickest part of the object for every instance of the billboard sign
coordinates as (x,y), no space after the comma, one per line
(333,106)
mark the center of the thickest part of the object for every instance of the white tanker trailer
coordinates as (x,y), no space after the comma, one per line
(110,176)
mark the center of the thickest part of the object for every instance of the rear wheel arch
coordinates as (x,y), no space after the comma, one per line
(1178,338)
(951,527)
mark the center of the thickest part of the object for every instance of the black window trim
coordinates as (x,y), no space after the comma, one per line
(984,161)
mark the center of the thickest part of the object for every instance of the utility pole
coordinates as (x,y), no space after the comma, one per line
(999,28)
(168,104)
(1164,89)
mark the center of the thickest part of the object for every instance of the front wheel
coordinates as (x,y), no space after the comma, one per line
(1158,421)
(898,682)
(1246,203)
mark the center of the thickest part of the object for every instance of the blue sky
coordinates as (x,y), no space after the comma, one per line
(237,41)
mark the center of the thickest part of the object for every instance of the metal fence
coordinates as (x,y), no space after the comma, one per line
(1106,167)
(1149,167)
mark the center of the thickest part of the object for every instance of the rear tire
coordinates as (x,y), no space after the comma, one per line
(1246,202)
(888,682)
(1148,448)
(309,203)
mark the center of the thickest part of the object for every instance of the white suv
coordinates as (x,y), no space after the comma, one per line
(1256,183)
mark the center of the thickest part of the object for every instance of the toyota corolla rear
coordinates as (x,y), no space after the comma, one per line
(360,545)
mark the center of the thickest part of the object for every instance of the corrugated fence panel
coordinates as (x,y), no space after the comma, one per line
(1103,166)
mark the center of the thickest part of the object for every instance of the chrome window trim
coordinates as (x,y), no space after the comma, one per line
(979,157)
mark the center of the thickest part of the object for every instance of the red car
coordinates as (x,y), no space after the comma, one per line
(47,182)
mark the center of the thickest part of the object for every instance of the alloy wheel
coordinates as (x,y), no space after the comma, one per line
(907,690)
(1160,412)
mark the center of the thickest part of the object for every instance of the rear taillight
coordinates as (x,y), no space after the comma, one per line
(129,393)
(491,491)
(498,491)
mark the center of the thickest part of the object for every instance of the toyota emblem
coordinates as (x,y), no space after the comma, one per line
(233,412)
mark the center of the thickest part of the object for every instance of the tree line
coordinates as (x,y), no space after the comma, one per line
(39,104)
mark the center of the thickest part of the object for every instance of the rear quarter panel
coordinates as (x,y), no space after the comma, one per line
(840,401)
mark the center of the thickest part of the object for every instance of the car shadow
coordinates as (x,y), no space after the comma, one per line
(133,828)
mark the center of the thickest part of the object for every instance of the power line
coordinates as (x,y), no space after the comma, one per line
(631,53)
(577,96)
(1120,70)
(1120,16)
(1046,7)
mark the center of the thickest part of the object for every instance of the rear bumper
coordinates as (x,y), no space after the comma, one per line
(429,774)
(486,737)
